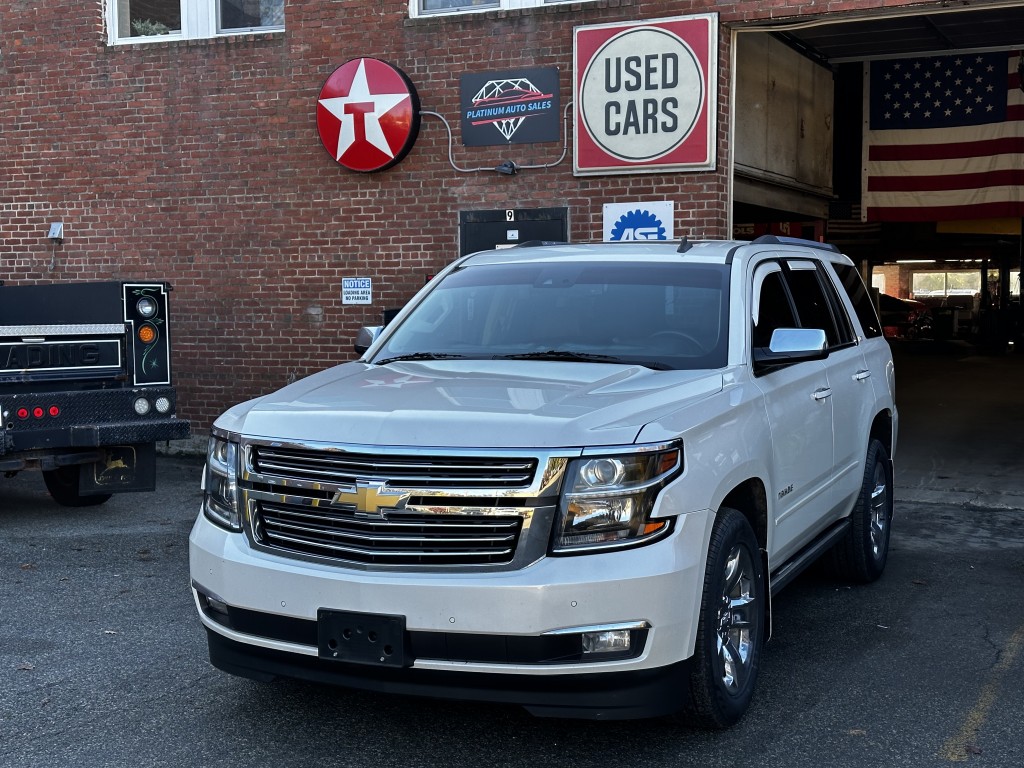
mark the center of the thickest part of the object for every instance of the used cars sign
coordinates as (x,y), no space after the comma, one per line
(645,95)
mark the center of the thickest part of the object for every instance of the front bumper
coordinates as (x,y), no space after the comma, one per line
(609,696)
(279,599)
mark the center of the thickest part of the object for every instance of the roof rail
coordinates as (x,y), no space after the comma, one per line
(535,243)
(781,240)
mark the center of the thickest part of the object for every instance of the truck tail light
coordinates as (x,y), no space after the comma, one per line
(37,411)
(147,333)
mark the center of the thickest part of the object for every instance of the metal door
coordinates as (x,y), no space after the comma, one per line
(504,228)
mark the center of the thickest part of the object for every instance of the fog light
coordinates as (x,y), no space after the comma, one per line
(163,405)
(141,406)
(215,605)
(608,641)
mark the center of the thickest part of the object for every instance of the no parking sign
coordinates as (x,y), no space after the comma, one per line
(356,290)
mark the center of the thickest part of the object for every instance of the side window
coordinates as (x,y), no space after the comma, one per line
(774,309)
(812,306)
(844,325)
(851,281)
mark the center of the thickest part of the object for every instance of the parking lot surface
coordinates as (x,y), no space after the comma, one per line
(103,661)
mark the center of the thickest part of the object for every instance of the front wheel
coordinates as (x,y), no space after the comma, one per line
(730,632)
(62,483)
(861,555)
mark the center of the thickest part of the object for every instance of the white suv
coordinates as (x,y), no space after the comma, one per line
(564,476)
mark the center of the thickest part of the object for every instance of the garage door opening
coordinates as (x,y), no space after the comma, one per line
(802,109)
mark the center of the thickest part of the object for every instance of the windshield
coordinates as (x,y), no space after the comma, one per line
(654,314)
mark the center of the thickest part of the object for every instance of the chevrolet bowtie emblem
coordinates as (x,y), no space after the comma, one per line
(370,499)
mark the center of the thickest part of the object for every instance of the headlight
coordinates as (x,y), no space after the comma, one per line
(608,499)
(220,484)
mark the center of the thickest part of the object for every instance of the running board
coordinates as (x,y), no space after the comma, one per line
(808,555)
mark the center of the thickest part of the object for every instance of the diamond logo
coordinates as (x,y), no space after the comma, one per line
(506,104)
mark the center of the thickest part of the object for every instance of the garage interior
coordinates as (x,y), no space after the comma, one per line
(798,165)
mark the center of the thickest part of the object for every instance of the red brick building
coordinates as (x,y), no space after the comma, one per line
(178,140)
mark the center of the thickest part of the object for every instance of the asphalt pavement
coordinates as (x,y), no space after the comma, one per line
(103,661)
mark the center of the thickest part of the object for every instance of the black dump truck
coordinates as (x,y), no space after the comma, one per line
(85,386)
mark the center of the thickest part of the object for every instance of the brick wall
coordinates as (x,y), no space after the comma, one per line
(199,162)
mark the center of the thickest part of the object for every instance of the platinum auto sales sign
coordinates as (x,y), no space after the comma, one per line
(645,96)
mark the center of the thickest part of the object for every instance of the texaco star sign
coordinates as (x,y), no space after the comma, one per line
(368,115)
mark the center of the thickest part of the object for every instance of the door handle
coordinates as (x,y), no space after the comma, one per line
(861,375)
(822,394)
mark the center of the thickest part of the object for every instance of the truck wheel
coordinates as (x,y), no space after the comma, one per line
(730,632)
(861,555)
(62,483)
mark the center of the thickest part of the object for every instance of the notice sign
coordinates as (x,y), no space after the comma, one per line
(356,290)
(645,95)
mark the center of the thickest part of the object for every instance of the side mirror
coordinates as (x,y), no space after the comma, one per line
(792,345)
(366,336)
(798,341)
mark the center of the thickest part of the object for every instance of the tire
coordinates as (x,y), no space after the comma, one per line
(861,555)
(62,483)
(730,632)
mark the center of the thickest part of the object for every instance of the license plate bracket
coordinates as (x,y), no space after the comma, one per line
(362,638)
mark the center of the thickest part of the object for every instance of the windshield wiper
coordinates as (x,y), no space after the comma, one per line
(583,357)
(420,356)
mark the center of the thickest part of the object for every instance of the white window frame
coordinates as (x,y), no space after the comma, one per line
(497,5)
(198,21)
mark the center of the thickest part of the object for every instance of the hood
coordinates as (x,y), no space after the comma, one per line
(472,404)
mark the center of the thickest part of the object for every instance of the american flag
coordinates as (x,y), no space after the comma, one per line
(944,138)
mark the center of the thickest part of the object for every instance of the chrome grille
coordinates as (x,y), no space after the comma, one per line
(400,538)
(407,471)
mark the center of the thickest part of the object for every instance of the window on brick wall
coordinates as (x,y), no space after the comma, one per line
(433,7)
(153,20)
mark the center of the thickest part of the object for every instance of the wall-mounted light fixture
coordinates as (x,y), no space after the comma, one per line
(56,236)
(508,168)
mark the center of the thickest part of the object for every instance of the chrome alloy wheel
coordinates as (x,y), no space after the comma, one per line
(879,524)
(738,614)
